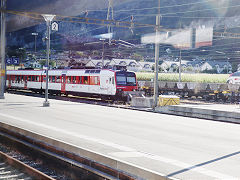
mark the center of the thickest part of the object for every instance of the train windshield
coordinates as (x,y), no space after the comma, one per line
(126,78)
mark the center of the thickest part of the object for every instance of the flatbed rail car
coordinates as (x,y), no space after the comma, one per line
(209,91)
(107,84)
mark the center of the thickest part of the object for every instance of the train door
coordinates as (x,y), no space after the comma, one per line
(25,81)
(103,84)
(63,83)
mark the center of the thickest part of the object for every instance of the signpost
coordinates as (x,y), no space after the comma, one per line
(12,61)
(54,26)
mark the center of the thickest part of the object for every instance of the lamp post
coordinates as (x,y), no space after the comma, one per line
(48,18)
(35,47)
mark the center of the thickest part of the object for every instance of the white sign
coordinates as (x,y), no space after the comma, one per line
(181,39)
(54,26)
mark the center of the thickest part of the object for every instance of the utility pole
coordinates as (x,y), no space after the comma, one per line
(103,40)
(3,46)
(180,66)
(180,59)
(110,8)
(155,98)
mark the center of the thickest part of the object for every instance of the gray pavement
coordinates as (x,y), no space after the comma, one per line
(179,147)
(217,112)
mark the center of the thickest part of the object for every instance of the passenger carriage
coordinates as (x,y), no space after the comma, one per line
(87,82)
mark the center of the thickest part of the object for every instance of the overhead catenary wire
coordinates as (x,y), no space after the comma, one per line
(193,11)
(74,19)
(27,14)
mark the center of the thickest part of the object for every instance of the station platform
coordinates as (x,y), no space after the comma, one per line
(149,145)
(211,111)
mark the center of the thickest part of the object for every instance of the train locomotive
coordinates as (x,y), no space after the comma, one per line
(104,83)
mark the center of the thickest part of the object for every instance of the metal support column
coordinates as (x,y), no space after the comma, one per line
(155,98)
(46,102)
(3,46)
(180,66)
(48,18)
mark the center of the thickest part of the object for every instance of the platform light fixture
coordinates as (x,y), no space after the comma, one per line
(48,18)
(35,46)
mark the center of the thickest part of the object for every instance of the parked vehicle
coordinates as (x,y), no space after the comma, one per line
(234,78)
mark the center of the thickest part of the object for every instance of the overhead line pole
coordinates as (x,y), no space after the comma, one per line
(3,46)
(110,7)
(155,98)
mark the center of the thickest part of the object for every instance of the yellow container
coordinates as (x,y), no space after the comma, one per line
(167,100)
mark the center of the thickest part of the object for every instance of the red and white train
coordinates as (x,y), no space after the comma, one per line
(87,82)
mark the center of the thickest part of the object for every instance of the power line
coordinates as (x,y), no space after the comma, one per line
(180,12)
(85,20)
(177,5)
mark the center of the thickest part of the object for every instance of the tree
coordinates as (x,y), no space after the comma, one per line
(137,57)
(51,63)
(234,66)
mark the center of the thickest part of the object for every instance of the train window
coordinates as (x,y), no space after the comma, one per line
(34,78)
(18,79)
(29,78)
(22,79)
(69,79)
(97,71)
(74,79)
(126,78)
(94,80)
(131,81)
(77,79)
(25,78)
(58,80)
(85,79)
(37,78)
(44,78)
(121,80)
(53,79)
(80,80)
(87,71)
(110,80)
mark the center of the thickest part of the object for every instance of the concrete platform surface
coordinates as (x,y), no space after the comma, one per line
(178,147)
(218,112)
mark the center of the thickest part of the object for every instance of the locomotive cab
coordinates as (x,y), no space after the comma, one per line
(126,81)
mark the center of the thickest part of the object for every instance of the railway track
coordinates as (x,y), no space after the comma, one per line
(13,166)
(37,160)
(72,98)
(98,101)
(9,172)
